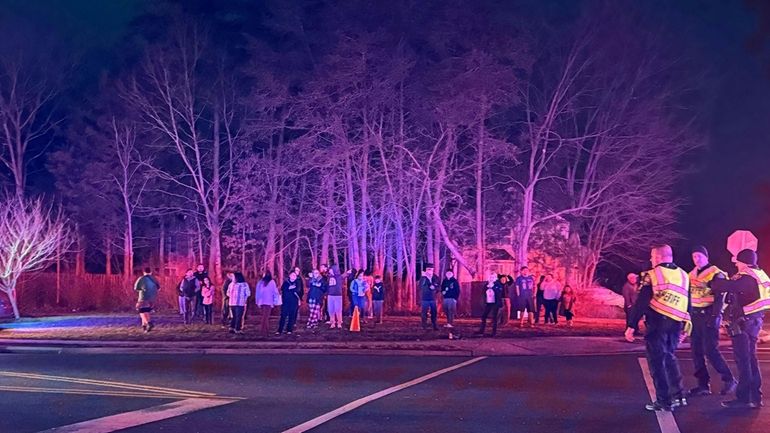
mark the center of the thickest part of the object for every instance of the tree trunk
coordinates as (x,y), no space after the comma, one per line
(58,275)
(215,253)
(14,304)
(243,250)
(481,249)
(525,227)
(108,257)
(128,252)
(80,257)
(350,201)
(162,247)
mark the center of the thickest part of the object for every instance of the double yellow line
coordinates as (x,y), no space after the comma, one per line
(133,390)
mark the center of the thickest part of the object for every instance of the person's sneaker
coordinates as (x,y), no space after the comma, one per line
(757,404)
(728,388)
(678,402)
(150,326)
(288,333)
(700,391)
(736,404)
(449,325)
(657,406)
(278,333)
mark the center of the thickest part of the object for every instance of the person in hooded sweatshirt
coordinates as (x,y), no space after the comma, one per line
(316,290)
(334,298)
(378,298)
(238,291)
(291,293)
(450,291)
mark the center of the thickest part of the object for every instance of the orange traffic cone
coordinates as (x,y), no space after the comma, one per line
(355,323)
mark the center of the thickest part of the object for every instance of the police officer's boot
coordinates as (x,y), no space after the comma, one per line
(699,391)
(678,401)
(657,406)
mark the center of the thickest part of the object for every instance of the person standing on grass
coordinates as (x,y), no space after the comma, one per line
(316,290)
(200,273)
(239,293)
(493,292)
(301,282)
(324,269)
(359,290)
(428,288)
(291,293)
(504,315)
(207,291)
(350,276)
(378,298)
(334,299)
(226,300)
(147,288)
(567,304)
(630,293)
(265,295)
(525,284)
(539,300)
(189,288)
(450,291)
(551,294)
(369,300)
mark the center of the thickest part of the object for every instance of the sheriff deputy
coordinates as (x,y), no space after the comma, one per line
(663,301)
(748,298)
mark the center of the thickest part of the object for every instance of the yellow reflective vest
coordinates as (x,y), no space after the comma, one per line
(700,293)
(670,292)
(763,301)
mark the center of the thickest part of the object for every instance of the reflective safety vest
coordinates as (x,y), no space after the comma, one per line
(763,281)
(669,292)
(700,293)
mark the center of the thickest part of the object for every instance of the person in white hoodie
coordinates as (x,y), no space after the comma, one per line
(265,295)
(238,292)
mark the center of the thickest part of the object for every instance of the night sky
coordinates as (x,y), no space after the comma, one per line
(728,191)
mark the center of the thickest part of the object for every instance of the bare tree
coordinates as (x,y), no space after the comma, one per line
(129,178)
(32,236)
(194,121)
(30,80)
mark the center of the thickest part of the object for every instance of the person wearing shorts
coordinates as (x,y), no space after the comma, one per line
(147,288)
(525,292)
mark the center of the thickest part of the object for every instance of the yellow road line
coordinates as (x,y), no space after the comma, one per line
(131,386)
(85,392)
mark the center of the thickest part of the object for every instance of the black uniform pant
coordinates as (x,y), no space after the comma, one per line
(489,309)
(705,345)
(745,350)
(662,339)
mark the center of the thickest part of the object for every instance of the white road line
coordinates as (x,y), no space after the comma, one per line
(666,420)
(126,420)
(315,422)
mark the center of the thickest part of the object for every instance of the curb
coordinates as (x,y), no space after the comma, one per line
(14,346)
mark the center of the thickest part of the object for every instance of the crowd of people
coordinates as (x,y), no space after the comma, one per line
(504,297)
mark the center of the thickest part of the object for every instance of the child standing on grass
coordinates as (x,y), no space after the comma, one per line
(567,304)
(378,298)
(207,291)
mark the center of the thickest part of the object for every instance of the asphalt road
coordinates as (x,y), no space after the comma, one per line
(274,393)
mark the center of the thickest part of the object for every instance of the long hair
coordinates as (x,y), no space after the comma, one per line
(239,277)
(267,277)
